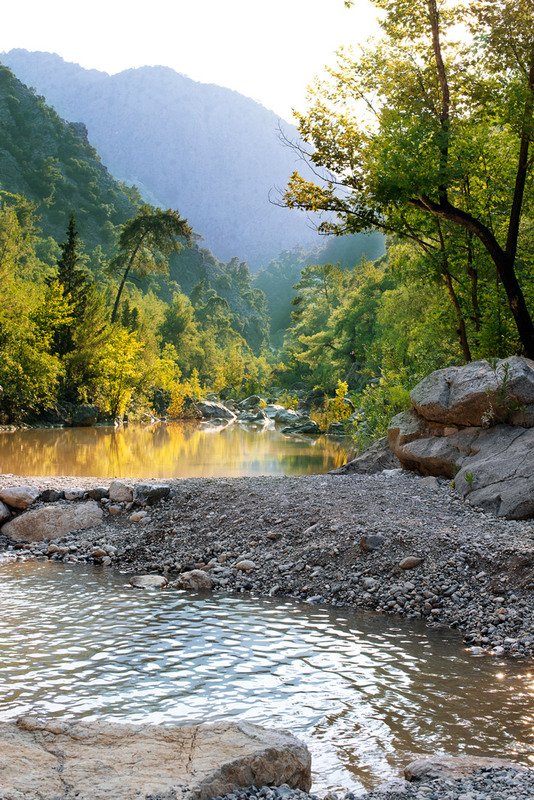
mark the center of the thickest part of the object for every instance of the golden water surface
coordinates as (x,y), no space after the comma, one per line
(179,450)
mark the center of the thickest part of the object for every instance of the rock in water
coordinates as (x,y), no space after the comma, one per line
(102,760)
(148,581)
(453,767)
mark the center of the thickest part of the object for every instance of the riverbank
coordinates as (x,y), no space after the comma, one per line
(393,542)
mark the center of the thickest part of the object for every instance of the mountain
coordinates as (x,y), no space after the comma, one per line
(209,152)
(53,164)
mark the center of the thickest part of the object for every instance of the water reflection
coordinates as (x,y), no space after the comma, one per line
(364,692)
(166,451)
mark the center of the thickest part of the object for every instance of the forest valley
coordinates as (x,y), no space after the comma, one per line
(423,137)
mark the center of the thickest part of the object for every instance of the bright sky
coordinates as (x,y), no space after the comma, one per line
(269,50)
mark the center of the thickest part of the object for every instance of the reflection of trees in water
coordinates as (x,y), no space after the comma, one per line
(184,449)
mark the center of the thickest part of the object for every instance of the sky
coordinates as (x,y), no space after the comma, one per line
(269,50)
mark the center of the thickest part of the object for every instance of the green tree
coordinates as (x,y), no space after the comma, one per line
(408,134)
(145,243)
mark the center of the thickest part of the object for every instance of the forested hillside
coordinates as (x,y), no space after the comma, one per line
(93,304)
(209,151)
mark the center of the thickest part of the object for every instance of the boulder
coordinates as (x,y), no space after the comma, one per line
(74,493)
(253,418)
(103,760)
(196,581)
(272,409)
(147,494)
(494,466)
(210,409)
(5,513)
(19,496)
(83,416)
(52,496)
(498,474)
(53,521)
(476,394)
(120,492)
(376,458)
(453,767)
(302,426)
(287,415)
(148,581)
(249,403)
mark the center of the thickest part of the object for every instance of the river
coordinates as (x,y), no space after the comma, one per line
(181,450)
(366,692)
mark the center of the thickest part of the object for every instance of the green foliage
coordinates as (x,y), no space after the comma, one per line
(378,403)
(428,139)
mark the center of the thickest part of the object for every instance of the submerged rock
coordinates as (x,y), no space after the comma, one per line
(148,581)
(103,760)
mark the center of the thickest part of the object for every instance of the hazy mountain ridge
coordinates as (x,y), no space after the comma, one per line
(210,152)
(52,163)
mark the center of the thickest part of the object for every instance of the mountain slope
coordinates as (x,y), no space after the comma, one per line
(209,152)
(53,164)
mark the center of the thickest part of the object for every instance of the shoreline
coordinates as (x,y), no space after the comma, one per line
(343,540)
(333,539)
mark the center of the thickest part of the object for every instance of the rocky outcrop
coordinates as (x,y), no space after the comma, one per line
(478,394)
(52,521)
(474,424)
(102,760)
(212,410)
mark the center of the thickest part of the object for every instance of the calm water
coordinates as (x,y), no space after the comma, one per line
(166,451)
(364,691)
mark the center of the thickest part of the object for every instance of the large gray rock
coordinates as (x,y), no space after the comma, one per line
(19,496)
(493,464)
(120,492)
(148,581)
(102,760)
(210,409)
(287,415)
(53,521)
(147,494)
(5,513)
(499,474)
(453,767)
(83,416)
(478,393)
(376,458)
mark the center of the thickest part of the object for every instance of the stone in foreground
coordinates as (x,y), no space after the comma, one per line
(52,522)
(453,767)
(102,760)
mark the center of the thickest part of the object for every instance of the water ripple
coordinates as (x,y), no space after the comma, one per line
(364,691)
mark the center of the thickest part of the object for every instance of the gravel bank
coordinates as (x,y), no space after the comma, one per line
(339,539)
(487,784)
(393,542)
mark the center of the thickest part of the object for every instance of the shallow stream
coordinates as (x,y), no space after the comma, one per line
(366,692)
